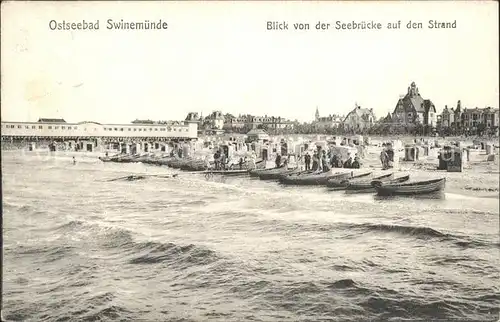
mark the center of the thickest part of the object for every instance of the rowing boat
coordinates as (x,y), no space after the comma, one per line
(256,172)
(225,172)
(341,183)
(312,179)
(366,186)
(277,173)
(410,188)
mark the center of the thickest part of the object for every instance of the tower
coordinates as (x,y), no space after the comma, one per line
(317,114)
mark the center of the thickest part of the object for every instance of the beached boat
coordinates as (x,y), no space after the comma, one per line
(112,158)
(255,172)
(128,158)
(341,183)
(313,179)
(276,173)
(409,188)
(225,172)
(366,186)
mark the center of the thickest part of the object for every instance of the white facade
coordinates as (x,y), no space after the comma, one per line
(183,130)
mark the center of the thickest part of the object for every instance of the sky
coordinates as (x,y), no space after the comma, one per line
(220,56)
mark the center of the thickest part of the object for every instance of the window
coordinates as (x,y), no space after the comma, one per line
(116,129)
(56,127)
(74,127)
(105,129)
(33,127)
(121,129)
(63,127)
(162,129)
(50,127)
(135,130)
(140,130)
(26,127)
(156,129)
(40,127)
(19,126)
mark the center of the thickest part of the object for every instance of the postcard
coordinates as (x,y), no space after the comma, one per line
(250,161)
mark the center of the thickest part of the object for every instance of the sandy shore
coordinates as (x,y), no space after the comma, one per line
(479,178)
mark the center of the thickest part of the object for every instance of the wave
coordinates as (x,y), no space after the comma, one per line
(122,241)
(178,255)
(425,233)
(45,253)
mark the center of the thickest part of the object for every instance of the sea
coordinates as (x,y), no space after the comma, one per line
(82,243)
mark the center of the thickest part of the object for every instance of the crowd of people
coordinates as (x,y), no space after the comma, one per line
(323,161)
(222,161)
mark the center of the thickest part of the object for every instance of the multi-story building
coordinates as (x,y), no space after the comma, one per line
(331,121)
(59,129)
(270,122)
(447,116)
(413,109)
(248,122)
(359,119)
(236,124)
(215,120)
(472,118)
(469,119)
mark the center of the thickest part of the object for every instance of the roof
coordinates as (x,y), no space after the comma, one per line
(42,120)
(417,102)
(361,112)
(257,132)
(428,105)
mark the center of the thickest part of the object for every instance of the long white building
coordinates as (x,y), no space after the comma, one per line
(60,129)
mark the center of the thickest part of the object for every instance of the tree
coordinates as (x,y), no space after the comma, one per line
(262,127)
(228,116)
(481,127)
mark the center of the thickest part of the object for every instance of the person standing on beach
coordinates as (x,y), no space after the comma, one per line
(307,161)
(324,162)
(278,161)
(315,161)
(348,163)
(74,161)
(216,159)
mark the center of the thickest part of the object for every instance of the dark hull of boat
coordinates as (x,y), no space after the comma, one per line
(276,174)
(256,172)
(227,172)
(312,179)
(410,189)
(367,186)
(340,184)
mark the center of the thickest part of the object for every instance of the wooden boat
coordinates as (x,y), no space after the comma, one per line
(312,179)
(276,173)
(112,158)
(366,186)
(294,174)
(341,183)
(255,172)
(162,161)
(142,158)
(127,158)
(410,188)
(225,172)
